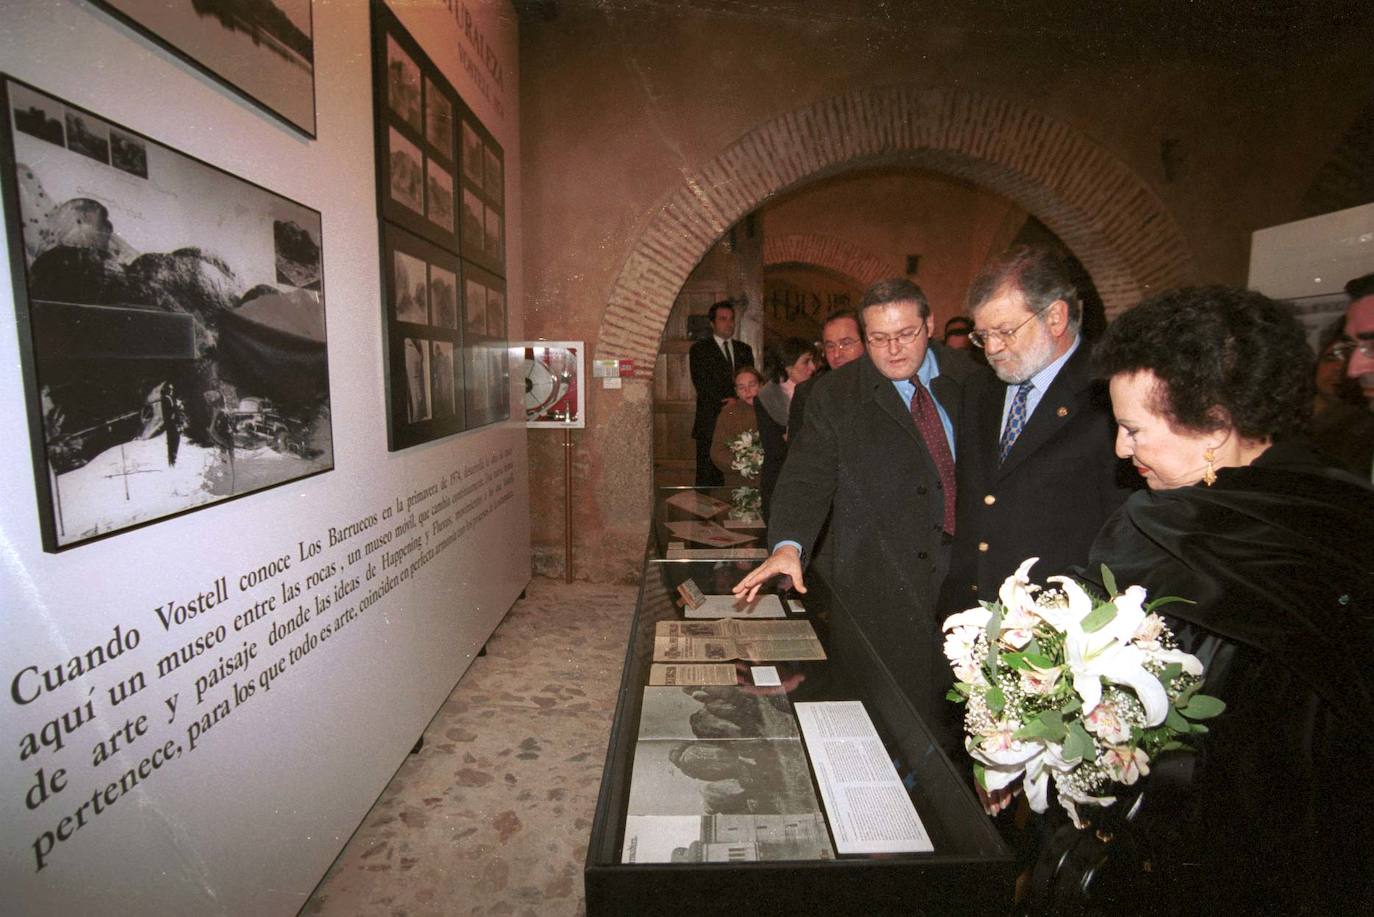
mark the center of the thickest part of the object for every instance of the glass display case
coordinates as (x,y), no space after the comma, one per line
(969,871)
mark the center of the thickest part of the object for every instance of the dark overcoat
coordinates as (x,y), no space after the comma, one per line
(1060,482)
(860,451)
(713,379)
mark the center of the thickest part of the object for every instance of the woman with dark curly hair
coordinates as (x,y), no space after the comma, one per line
(1212,388)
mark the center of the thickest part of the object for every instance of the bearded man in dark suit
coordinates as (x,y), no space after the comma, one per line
(1038,472)
(713,361)
(877,444)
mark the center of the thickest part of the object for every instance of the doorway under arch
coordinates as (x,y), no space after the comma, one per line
(1102,211)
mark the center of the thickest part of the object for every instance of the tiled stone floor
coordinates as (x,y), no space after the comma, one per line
(492,816)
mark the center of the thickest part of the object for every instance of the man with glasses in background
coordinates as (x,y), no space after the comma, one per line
(1358,346)
(877,444)
(842,342)
(1038,472)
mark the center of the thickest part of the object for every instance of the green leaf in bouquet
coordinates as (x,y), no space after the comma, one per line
(994,624)
(1015,661)
(1171,671)
(1048,725)
(1186,695)
(1175,721)
(1203,707)
(1072,705)
(1109,581)
(1099,617)
(980,774)
(1200,729)
(995,699)
(1078,744)
(1166,600)
(1176,745)
(956,694)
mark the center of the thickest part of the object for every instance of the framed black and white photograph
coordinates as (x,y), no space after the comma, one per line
(441,370)
(474,155)
(496,313)
(263,50)
(492,172)
(417,380)
(438,120)
(443,297)
(402,84)
(407,173)
(173,315)
(474,307)
(492,242)
(439,196)
(474,230)
(410,289)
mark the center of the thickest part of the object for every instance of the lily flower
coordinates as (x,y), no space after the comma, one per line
(1017,593)
(1107,654)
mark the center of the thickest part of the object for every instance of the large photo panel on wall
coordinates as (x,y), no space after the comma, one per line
(172,323)
(263,50)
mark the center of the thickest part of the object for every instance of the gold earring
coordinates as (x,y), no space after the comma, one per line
(1209,476)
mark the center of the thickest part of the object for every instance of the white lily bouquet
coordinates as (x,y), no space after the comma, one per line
(747,449)
(1062,687)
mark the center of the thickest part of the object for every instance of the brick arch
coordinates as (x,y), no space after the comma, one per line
(1102,211)
(844,258)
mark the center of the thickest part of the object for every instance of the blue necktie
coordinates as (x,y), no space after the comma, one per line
(1016,420)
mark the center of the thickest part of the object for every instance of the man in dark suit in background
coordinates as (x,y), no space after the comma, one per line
(1038,472)
(713,361)
(878,445)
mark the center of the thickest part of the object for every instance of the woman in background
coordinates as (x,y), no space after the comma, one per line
(1211,389)
(786,367)
(735,418)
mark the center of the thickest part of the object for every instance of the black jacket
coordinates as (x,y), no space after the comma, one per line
(859,449)
(713,380)
(1278,558)
(1060,482)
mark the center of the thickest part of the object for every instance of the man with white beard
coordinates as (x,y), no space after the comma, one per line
(1037,469)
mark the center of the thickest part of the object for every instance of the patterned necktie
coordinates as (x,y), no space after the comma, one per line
(1016,421)
(933,432)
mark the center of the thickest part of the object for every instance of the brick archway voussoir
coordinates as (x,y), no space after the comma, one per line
(1109,218)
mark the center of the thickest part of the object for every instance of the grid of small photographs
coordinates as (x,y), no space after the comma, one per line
(416,142)
(483,221)
(445,310)
(423,290)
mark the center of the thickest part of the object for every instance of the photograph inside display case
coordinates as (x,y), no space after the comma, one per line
(719,775)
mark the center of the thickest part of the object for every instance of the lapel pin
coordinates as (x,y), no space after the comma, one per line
(1063,411)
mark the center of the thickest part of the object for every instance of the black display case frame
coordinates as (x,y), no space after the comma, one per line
(971,870)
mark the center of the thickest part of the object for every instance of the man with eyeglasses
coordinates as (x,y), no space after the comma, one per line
(1358,345)
(842,342)
(876,452)
(1038,472)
